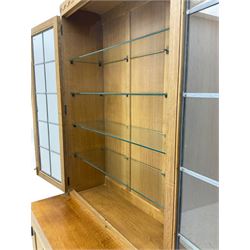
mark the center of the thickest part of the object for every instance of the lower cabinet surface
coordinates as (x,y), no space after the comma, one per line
(60,222)
(98,218)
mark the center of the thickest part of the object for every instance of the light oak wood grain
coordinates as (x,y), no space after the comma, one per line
(140,229)
(173,80)
(67,225)
(137,222)
(69,7)
(81,77)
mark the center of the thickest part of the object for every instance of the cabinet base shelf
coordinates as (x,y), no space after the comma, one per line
(139,228)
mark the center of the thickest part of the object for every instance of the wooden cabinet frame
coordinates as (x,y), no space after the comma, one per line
(71,14)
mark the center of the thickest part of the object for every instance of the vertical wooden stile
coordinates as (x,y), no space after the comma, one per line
(172,109)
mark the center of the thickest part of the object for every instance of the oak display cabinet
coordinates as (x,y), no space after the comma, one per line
(106,100)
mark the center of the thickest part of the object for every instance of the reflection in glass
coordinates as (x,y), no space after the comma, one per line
(45,162)
(39,78)
(43,134)
(199,218)
(143,137)
(47,107)
(54,137)
(49,47)
(201,143)
(55,166)
(52,108)
(195,2)
(38,48)
(200,213)
(146,180)
(203,55)
(116,52)
(51,77)
(41,107)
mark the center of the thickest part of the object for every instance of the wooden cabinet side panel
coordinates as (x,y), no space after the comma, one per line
(40,241)
(82,33)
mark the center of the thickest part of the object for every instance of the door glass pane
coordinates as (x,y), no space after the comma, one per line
(38,48)
(200,213)
(49,47)
(43,134)
(199,216)
(54,137)
(203,51)
(52,108)
(41,107)
(39,78)
(201,143)
(45,162)
(46,102)
(55,166)
(51,77)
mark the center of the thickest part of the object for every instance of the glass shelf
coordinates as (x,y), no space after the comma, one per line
(143,137)
(96,57)
(120,94)
(127,172)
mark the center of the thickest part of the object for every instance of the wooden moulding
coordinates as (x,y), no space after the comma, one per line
(68,7)
(55,24)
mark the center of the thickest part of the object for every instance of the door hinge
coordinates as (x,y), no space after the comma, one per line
(32,231)
(68,181)
(61,29)
(65,109)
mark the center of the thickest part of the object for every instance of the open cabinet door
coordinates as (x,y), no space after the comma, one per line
(47,102)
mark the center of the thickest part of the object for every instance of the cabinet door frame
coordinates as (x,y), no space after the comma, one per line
(55,24)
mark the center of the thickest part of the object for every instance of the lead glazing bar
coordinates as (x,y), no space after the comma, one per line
(200,177)
(202,95)
(187,243)
(202,6)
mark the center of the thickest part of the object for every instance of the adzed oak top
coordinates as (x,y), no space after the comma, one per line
(66,225)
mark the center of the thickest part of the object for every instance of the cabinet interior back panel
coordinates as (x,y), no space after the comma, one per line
(82,34)
(135,67)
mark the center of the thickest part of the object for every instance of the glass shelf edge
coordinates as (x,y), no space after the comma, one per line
(77,155)
(120,93)
(148,198)
(127,58)
(116,137)
(78,58)
(124,156)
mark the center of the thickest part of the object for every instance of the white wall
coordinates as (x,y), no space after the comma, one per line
(18,183)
